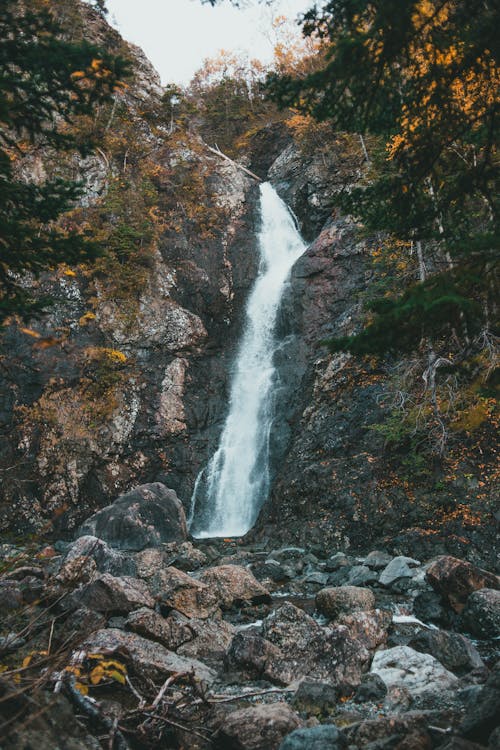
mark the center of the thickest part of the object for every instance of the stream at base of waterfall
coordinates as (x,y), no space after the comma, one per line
(230,490)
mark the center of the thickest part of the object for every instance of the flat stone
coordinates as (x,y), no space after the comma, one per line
(147,659)
(399,567)
(403,667)
(147,516)
(324,737)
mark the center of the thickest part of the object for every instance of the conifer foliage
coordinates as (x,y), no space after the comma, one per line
(422,76)
(45,81)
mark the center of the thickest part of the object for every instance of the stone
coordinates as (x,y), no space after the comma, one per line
(188,558)
(455,652)
(10,596)
(428,606)
(271,570)
(24,571)
(418,673)
(481,614)
(77,570)
(324,737)
(107,593)
(81,622)
(341,600)
(177,590)
(336,561)
(234,585)
(315,698)
(455,579)
(405,732)
(370,628)
(260,727)
(148,516)
(482,714)
(171,631)
(377,559)
(325,654)
(257,658)
(210,639)
(399,567)
(372,688)
(106,559)
(361,575)
(145,658)
(149,561)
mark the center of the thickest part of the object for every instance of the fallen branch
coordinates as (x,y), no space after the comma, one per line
(218,152)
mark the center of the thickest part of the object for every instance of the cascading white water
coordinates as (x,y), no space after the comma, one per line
(230,490)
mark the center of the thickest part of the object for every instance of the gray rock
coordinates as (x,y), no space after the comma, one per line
(107,559)
(377,559)
(316,577)
(210,639)
(482,715)
(170,631)
(257,658)
(361,575)
(10,596)
(271,570)
(147,516)
(336,561)
(315,698)
(261,727)
(325,737)
(147,659)
(107,593)
(341,600)
(481,614)
(455,652)
(372,688)
(399,567)
(403,667)
(428,606)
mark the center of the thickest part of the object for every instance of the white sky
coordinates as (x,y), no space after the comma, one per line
(177,35)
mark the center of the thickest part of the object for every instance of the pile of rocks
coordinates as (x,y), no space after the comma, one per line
(225,646)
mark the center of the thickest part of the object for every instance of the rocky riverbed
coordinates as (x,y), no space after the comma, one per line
(134,636)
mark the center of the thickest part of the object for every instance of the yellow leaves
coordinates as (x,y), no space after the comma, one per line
(99,353)
(86,318)
(95,670)
(30,332)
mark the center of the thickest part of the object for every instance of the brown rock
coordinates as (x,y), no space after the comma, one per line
(77,570)
(235,585)
(179,591)
(455,579)
(257,728)
(344,600)
(408,732)
(370,628)
(257,658)
(147,659)
(209,641)
(170,631)
(149,561)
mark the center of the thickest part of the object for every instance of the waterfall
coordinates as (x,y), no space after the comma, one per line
(231,489)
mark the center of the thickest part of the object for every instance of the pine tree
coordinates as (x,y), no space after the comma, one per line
(45,81)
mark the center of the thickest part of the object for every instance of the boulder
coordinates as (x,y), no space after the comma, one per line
(257,658)
(455,652)
(482,714)
(481,614)
(149,660)
(403,667)
(341,600)
(370,628)
(325,737)
(151,560)
(177,590)
(326,654)
(234,585)
(429,606)
(361,575)
(315,698)
(372,688)
(107,593)
(170,631)
(210,639)
(147,516)
(456,579)
(106,559)
(260,727)
(399,567)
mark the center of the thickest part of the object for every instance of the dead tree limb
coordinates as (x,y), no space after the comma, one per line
(218,152)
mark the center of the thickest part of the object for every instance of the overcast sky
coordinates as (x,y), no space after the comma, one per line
(177,35)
